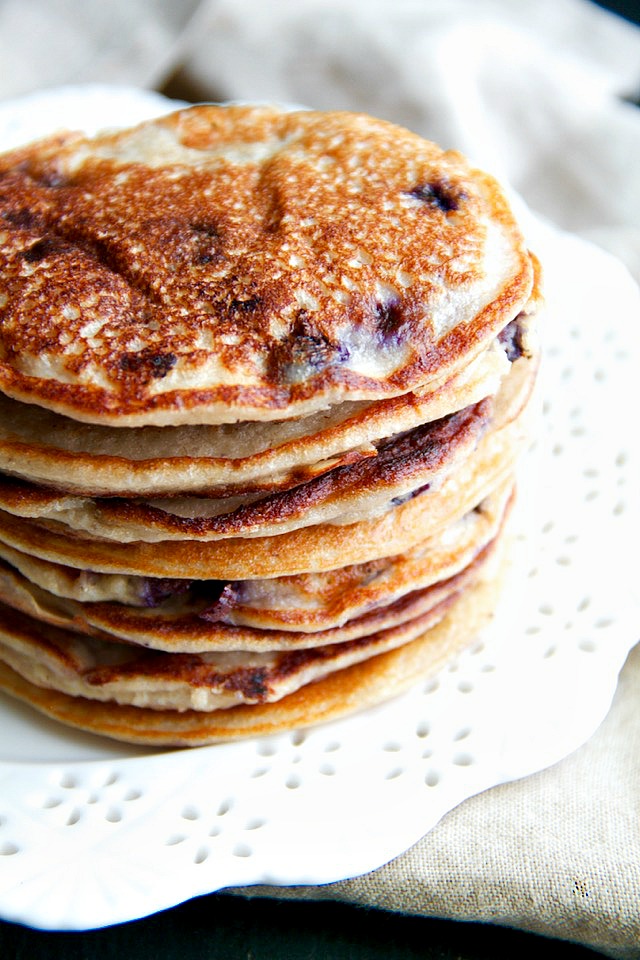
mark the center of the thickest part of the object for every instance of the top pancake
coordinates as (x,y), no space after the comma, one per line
(245,263)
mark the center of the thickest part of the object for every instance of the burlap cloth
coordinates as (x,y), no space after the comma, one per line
(540,93)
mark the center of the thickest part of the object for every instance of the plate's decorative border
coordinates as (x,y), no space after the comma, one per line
(93,834)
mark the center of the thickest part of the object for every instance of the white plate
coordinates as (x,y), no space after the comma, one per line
(94,833)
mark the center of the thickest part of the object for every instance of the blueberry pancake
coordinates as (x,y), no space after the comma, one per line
(265,378)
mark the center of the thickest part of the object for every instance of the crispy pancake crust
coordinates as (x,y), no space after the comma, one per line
(239,263)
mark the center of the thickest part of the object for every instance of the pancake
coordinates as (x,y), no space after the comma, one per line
(101,668)
(391,593)
(224,264)
(307,602)
(347,493)
(415,463)
(120,673)
(226,459)
(343,692)
(307,549)
(265,380)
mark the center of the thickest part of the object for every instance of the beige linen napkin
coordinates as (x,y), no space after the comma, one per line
(557,853)
(534,92)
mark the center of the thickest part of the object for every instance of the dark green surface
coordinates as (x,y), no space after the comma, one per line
(222,926)
(629,9)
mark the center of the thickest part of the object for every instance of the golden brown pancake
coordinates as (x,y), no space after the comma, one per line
(307,549)
(265,377)
(408,587)
(404,465)
(245,263)
(226,459)
(99,667)
(342,692)
(418,463)
(127,606)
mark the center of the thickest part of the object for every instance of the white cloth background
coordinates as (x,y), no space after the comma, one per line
(535,92)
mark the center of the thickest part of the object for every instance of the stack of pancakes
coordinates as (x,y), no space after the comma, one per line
(264,378)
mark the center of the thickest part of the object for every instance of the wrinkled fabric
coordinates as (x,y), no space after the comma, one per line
(557,853)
